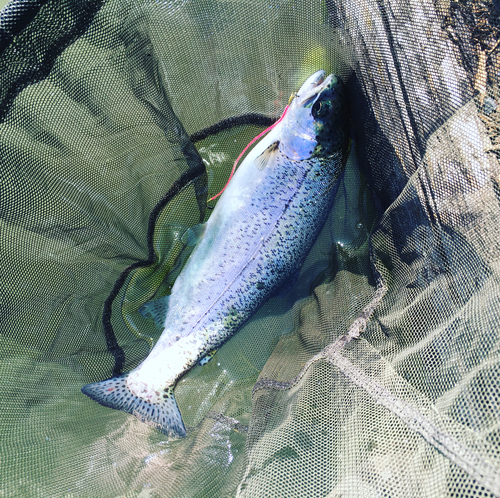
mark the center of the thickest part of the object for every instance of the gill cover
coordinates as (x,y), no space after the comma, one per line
(315,122)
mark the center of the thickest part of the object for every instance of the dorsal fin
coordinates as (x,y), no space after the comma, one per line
(157,310)
(192,235)
(267,156)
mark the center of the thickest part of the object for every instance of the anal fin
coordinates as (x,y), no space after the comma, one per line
(157,310)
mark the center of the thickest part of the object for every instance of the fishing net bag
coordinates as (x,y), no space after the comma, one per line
(376,374)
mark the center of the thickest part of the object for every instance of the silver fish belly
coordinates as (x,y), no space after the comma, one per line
(257,237)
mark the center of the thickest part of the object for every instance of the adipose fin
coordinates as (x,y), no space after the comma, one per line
(163,415)
(207,358)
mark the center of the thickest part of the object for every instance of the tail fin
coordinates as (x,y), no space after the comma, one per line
(114,393)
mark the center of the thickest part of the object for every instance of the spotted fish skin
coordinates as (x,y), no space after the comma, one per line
(257,237)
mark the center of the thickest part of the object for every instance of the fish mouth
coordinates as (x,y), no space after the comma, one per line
(315,84)
(314,80)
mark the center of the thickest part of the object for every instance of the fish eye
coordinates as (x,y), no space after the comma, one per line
(321,109)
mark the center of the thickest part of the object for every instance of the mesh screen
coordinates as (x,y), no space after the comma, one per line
(376,374)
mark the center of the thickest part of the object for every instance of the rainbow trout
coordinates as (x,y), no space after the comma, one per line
(256,240)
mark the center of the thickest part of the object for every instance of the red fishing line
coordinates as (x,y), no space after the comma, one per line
(245,149)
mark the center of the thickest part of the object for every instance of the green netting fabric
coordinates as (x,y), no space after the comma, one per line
(376,374)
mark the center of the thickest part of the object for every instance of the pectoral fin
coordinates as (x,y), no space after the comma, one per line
(267,156)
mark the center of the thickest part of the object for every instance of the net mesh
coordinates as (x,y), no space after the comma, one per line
(376,374)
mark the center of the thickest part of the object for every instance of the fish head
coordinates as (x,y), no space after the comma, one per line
(315,123)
